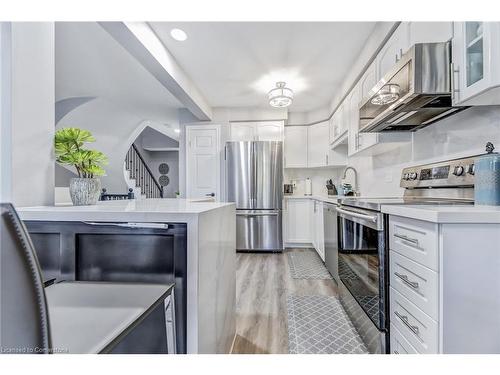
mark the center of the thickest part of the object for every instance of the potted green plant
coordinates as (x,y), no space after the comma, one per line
(69,148)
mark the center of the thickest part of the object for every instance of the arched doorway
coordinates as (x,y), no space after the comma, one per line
(152,165)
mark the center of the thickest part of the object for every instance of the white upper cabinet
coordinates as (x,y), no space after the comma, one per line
(270,131)
(295,146)
(317,145)
(338,124)
(243,131)
(257,131)
(476,63)
(430,32)
(392,51)
(361,141)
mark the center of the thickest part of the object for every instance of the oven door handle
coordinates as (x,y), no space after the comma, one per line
(358,215)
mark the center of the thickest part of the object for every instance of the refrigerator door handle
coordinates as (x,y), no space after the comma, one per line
(257,213)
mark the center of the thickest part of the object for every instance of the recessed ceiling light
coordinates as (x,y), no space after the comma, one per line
(178,34)
(177,131)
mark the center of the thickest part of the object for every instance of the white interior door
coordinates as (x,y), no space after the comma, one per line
(203,161)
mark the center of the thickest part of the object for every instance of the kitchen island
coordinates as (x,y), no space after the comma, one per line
(205,262)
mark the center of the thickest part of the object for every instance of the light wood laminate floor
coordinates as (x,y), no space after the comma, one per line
(263,282)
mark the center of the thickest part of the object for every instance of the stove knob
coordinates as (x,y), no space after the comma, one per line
(406,176)
(413,176)
(471,169)
(459,170)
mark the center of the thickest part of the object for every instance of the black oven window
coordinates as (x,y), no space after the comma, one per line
(359,266)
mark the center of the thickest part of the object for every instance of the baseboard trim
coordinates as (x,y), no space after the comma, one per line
(290,245)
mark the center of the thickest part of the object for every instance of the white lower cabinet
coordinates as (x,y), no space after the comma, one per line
(318,229)
(444,286)
(297,223)
(399,344)
(418,328)
(414,285)
(303,224)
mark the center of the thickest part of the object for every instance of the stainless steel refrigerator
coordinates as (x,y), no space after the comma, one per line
(254,181)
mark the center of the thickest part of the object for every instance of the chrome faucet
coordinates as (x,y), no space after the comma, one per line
(355,188)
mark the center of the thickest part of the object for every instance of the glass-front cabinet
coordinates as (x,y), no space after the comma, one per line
(476,63)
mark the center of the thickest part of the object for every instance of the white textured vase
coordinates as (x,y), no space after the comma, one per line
(84,191)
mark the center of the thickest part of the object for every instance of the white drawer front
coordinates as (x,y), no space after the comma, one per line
(399,344)
(417,283)
(417,327)
(415,239)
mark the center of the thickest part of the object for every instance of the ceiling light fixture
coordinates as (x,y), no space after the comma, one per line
(280,96)
(178,34)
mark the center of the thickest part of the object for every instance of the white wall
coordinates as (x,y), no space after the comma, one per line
(90,63)
(32,111)
(5,112)
(114,125)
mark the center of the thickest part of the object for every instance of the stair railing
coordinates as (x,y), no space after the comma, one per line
(143,176)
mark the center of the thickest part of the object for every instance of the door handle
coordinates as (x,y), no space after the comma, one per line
(257,214)
(406,238)
(406,322)
(210,195)
(406,280)
(129,225)
(358,215)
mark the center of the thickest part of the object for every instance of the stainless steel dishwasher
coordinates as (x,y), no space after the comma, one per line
(331,238)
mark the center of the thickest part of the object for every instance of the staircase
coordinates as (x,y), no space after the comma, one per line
(141,176)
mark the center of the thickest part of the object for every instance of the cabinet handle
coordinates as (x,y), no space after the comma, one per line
(406,280)
(406,238)
(406,322)
(326,159)
(454,90)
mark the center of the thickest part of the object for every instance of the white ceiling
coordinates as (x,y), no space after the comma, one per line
(235,64)
(89,62)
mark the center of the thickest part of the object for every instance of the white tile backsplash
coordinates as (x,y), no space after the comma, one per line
(318,178)
(464,134)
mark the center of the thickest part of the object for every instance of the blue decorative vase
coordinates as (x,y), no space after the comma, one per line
(487,178)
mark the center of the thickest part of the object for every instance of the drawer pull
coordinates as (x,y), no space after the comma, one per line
(406,238)
(405,321)
(405,279)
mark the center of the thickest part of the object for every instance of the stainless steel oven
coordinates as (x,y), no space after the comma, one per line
(362,268)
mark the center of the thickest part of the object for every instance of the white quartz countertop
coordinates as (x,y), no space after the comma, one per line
(447,214)
(144,210)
